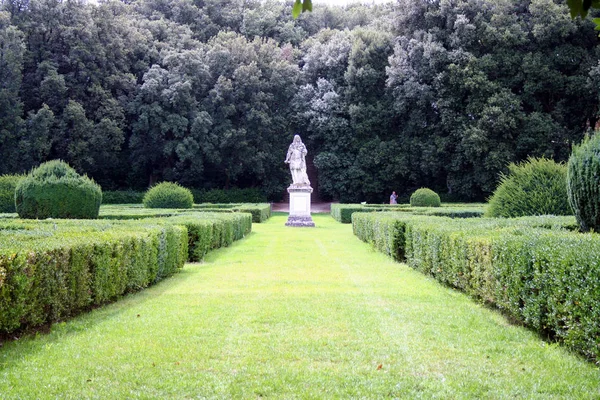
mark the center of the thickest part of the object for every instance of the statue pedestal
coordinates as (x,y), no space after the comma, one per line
(299,206)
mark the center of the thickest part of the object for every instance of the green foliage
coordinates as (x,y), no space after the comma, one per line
(194,93)
(583,183)
(375,310)
(580,8)
(425,197)
(534,268)
(300,7)
(224,196)
(534,187)
(343,212)
(168,195)
(260,212)
(50,270)
(55,190)
(12,52)
(8,183)
(122,197)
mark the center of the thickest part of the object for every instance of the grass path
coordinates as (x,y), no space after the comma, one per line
(293,313)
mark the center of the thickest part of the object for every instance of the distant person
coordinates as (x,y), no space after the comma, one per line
(394,198)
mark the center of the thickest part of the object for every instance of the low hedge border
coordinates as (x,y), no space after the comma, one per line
(535,269)
(260,212)
(53,269)
(343,212)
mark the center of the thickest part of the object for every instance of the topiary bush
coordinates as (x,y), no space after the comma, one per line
(534,187)
(55,190)
(425,198)
(583,183)
(8,184)
(168,195)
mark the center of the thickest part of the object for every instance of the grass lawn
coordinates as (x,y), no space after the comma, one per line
(293,313)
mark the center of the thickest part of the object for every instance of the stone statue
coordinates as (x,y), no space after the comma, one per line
(296,158)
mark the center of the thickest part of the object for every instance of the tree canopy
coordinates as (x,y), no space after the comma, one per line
(209,93)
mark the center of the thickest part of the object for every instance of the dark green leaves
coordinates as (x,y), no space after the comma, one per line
(300,7)
(582,7)
(578,7)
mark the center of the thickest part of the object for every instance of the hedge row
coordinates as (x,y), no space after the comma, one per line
(343,212)
(536,269)
(212,230)
(53,269)
(228,196)
(260,211)
(126,212)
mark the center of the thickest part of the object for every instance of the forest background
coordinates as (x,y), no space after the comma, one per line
(209,93)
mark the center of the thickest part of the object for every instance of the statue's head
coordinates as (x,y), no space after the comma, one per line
(297,139)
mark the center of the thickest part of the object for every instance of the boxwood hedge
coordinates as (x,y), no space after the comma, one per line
(53,269)
(536,269)
(343,212)
(259,212)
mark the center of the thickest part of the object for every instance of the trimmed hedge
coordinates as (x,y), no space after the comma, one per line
(53,269)
(58,276)
(425,197)
(537,186)
(260,211)
(536,269)
(343,212)
(168,195)
(8,183)
(583,183)
(55,190)
(212,231)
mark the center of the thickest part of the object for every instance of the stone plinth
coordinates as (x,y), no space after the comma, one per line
(299,206)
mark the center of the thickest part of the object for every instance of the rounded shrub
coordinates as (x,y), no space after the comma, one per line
(168,195)
(537,186)
(8,184)
(583,183)
(55,190)
(425,198)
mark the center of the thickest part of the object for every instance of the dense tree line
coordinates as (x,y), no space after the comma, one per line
(209,93)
